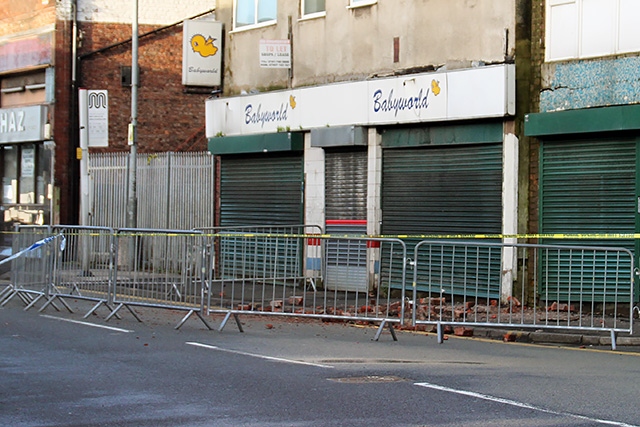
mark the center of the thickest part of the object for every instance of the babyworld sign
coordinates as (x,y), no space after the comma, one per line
(464,94)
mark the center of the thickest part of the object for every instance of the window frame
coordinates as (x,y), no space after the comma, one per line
(256,23)
(311,15)
(577,48)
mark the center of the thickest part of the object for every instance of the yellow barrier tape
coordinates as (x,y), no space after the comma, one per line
(577,236)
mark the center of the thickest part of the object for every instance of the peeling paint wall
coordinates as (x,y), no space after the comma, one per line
(381,39)
(590,83)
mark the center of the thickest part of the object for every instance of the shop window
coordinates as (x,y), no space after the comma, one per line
(313,8)
(591,28)
(10,174)
(27,184)
(255,12)
(23,174)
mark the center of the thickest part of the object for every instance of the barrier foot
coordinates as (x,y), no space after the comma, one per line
(114,312)
(50,301)
(7,290)
(25,297)
(94,308)
(391,330)
(9,298)
(440,333)
(197,313)
(613,340)
(226,318)
(33,302)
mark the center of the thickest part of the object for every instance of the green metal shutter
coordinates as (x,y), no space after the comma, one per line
(587,186)
(442,190)
(445,190)
(261,190)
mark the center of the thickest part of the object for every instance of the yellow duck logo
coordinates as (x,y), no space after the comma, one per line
(203,46)
(435,87)
(292,101)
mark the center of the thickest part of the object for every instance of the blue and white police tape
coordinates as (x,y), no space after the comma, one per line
(36,245)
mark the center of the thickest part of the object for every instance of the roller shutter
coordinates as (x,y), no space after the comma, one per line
(442,190)
(445,190)
(346,185)
(261,190)
(587,187)
(346,214)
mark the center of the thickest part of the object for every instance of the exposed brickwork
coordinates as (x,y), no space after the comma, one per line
(167,117)
(63,121)
(537,60)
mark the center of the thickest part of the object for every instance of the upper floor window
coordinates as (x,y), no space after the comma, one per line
(590,28)
(254,12)
(313,7)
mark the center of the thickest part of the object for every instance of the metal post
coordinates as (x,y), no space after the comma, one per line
(132,201)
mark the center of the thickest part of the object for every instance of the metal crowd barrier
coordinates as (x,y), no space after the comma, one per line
(160,268)
(229,251)
(31,270)
(85,270)
(258,274)
(523,285)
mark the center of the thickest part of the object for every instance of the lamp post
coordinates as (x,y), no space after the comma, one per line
(132,201)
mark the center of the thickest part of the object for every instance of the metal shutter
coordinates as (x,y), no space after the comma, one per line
(346,213)
(264,190)
(586,187)
(442,190)
(445,190)
(346,185)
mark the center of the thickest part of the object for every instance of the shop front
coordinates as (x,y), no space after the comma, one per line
(26,169)
(588,179)
(412,154)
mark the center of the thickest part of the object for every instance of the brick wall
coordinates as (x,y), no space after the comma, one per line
(537,61)
(64,125)
(167,116)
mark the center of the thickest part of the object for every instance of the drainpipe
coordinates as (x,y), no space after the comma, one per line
(73,110)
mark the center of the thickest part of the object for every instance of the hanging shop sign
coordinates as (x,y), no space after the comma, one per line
(22,124)
(201,53)
(98,118)
(455,95)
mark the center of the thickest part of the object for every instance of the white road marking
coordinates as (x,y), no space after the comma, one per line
(260,356)
(521,404)
(85,323)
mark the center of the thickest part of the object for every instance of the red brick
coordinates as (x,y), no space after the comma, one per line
(462,331)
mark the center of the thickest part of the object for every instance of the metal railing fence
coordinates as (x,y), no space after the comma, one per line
(33,264)
(280,251)
(260,281)
(297,271)
(85,269)
(523,285)
(176,190)
(160,268)
(31,273)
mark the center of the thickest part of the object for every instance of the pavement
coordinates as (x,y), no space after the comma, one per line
(569,337)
